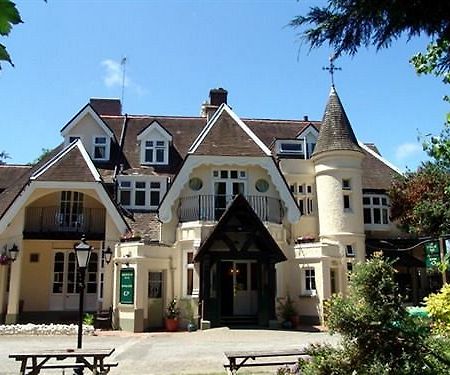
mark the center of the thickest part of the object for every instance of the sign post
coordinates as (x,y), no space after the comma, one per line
(127,286)
(432,254)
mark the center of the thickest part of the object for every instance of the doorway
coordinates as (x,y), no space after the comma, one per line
(239,289)
(224,192)
(64,289)
(155,299)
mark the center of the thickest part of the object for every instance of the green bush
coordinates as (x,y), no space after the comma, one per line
(438,307)
(378,335)
(88,319)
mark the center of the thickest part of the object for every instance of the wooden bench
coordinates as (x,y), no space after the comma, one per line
(91,359)
(238,359)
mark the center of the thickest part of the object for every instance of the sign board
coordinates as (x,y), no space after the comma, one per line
(127,286)
(432,254)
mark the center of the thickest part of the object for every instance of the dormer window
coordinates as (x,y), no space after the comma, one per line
(155,152)
(155,141)
(291,148)
(100,148)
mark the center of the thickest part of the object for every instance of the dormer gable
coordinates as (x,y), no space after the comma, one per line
(154,142)
(94,133)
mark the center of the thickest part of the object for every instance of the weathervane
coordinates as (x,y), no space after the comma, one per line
(331,68)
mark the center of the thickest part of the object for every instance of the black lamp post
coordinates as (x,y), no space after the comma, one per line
(83,253)
(13,252)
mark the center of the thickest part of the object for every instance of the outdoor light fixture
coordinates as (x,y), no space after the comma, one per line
(83,253)
(108,255)
(13,252)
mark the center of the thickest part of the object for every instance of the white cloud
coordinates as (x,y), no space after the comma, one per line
(406,150)
(113,77)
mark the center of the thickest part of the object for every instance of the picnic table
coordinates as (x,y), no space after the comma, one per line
(92,359)
(238,359)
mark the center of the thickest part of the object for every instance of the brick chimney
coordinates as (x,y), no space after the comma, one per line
(111,107)
(216,98)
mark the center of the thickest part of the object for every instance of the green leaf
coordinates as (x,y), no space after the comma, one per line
(9,16)
(4,55)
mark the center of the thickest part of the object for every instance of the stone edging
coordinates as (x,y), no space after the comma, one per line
(44,329)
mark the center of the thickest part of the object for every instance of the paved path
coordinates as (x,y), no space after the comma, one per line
(198,352)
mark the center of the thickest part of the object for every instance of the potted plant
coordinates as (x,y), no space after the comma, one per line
(288,313)
(4,259)
(172,314)
(191,325)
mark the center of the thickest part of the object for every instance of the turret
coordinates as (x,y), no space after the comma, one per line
(337,161)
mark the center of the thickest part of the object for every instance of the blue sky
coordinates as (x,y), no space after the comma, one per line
(69,51)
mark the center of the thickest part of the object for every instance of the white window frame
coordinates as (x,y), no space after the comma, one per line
(187,267)
(347,192)
(305,193)
(309,277)
(154,151)
(106,145)
(350,250)
(300,151)
(372,207)
(148,189)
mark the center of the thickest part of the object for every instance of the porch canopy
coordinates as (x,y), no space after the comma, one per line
(237,268)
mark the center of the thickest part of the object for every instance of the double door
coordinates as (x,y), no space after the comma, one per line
(224,192)
(64,288)
(239,287)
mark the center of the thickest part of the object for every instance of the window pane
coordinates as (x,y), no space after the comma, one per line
(300,189)
(139,198)
(155,185)
(241,276)
(292,147)
(125,198)
(100,152)
(376,216)
(223,174)
(385,216)
(367,216)
(148,143)
(301,206)
(160,155)
(140,185)
(309,189)
(346,202)
(149,156)
(376,200)
(233,174)
(366,200)
(190,282)
(384,201)
(125,183)
(100,140)
(154,198)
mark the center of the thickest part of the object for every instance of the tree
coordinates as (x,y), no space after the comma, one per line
(9,16)
(378,335)
(3,156)
(347,25)
(45,152)
(420,200)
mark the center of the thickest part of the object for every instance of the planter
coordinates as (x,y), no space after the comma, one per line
(191,327)
(171,325)
(295,321)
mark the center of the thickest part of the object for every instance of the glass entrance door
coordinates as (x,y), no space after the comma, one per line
(224,192)
(64,289)
(71,210)
(239,288)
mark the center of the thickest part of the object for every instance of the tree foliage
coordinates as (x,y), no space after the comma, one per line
(348,25)
(45,152)
(9,16)
(438,307)
(378,335)
(420,200)
(3,156)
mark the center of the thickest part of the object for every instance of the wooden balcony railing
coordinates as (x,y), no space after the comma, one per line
(52,220)
(212,207)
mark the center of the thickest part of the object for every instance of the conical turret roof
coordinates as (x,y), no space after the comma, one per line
(336,133)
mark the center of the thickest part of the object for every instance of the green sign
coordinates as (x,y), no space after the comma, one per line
(127,286)
(432,254)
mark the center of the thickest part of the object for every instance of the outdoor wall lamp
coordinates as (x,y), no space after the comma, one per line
(108,255)
(13,252)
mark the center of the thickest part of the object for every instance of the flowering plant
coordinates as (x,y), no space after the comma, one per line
(172,311)
(4,259)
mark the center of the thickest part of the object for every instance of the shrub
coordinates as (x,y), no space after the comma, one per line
(438,307)
(88,319)
(378,335)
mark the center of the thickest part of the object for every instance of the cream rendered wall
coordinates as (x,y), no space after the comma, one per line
(87,128)
(145,258)
(54,199)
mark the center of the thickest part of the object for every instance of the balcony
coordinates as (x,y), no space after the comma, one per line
(50,222)
(212,207)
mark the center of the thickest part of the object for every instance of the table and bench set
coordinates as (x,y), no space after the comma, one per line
(32,362)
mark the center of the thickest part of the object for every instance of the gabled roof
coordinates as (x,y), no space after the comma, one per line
(87,109)
(225,134)
(308,128)
(155,125)
(249,221)
(71,164)
(336,133)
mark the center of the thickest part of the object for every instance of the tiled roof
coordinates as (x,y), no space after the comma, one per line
(145,225)
(336,133)
(227,138)
(376,174)
(71,167)
(10,173)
